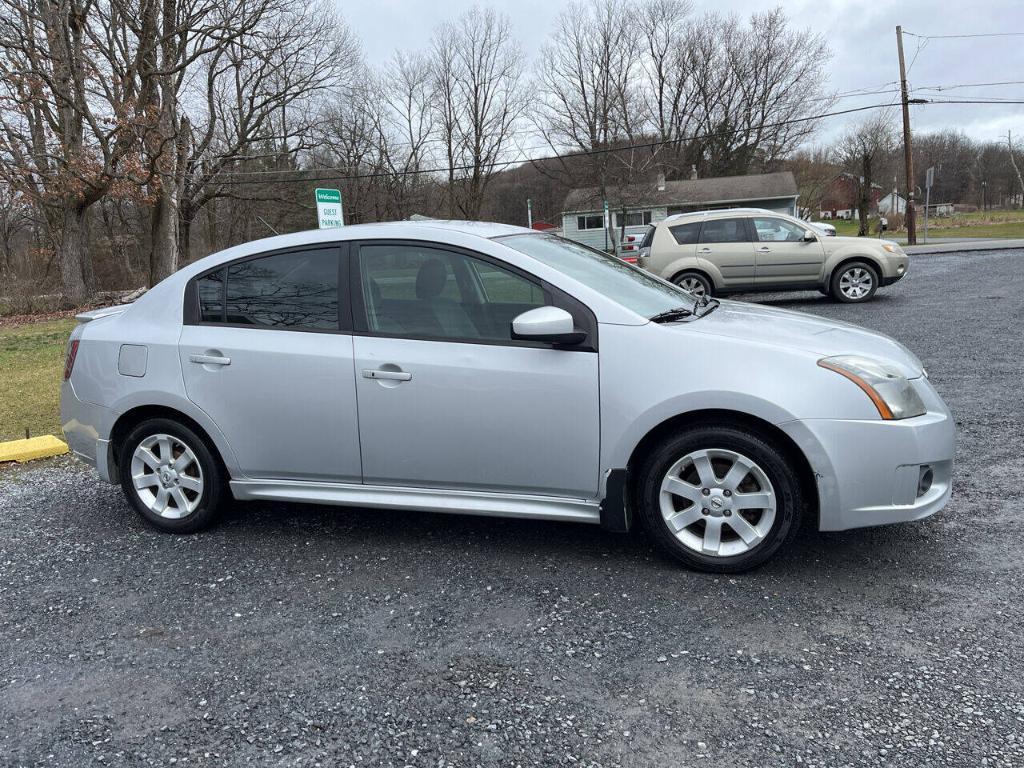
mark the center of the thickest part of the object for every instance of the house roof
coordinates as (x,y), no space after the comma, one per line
(724,189)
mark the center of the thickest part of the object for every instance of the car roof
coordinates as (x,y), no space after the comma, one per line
(397,229)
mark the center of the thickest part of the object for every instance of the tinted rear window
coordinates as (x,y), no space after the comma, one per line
(724,231)
(648,238)
(686,234)
(297,290)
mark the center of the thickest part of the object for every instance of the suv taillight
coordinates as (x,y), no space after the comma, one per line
(69,364)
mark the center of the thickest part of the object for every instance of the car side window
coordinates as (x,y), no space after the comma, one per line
(686,234)
(433,293)
(292,291)
(778,230)
(211,297)
(724,231)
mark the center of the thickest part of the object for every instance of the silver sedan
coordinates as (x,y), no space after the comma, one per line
(492,370)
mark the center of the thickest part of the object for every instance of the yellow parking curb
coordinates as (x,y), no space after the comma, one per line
(32,448)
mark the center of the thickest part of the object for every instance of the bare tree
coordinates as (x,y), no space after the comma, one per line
(1013,162)
(68,127)
(256,105)
(668,78)
(863,150)
(15,218)
(754,87)
(814,168)
(404,121)
(479,98)
(587,75)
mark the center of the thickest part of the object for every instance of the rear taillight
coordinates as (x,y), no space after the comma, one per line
(69,364)
(629,259)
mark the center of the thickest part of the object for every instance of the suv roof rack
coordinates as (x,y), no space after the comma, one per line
(717,211)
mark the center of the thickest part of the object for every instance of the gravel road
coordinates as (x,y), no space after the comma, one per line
(300,635)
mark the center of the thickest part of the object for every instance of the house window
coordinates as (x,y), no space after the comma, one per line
(634,219)
(595,221)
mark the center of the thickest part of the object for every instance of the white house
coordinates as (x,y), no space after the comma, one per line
(892,203)
(640,205)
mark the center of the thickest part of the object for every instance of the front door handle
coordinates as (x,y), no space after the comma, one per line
(209,359)
(764,249)
(376,373)
(705,250)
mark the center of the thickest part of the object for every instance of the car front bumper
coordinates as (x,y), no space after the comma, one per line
(894,269)
(871,472)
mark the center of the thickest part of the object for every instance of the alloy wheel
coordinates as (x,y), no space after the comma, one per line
(167,476)
(856,283)
(692,284)
(718,502)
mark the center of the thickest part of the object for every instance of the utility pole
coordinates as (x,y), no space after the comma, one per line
(908,153)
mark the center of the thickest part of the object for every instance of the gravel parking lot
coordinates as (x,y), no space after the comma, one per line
(301,635)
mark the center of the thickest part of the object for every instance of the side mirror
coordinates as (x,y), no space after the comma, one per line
(549,324)
(809,236)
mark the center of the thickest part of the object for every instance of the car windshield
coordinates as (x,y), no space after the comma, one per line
(630,286)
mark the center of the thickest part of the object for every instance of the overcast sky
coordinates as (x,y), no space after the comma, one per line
(861,34)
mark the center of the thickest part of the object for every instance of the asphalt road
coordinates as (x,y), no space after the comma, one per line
(299,635)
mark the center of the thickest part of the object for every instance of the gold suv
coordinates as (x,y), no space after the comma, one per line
(752,249)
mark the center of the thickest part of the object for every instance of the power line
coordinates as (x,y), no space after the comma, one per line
(986,100)
(979,34)
(967,85)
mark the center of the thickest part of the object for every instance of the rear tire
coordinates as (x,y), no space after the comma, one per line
(854,283)
(695,283)
(719,498)
(171,477)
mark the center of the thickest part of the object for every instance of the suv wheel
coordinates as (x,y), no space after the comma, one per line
(170,476)
(854,282)
(719,498)
(695,283)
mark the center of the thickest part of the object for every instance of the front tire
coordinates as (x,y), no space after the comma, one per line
(170,476)
(719,498)
(854,283)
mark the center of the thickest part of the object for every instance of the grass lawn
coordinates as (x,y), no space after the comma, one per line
(31,368)
(987,224)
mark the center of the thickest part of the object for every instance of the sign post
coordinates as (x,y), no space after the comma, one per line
(529,213)
(929,179)
(607,224)
(329,212)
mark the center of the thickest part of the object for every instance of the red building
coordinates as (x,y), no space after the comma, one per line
(839,200)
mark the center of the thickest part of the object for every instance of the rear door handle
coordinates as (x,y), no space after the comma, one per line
(209,360)
(372,373)
(764,249)
(705,250)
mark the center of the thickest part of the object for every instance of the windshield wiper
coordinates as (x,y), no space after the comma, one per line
(671,315)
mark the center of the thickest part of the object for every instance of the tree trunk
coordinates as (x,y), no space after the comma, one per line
(164,231)
(163,260)
(73,256)
(185,215)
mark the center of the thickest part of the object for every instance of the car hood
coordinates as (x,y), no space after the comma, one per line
(797,330)
(841,241)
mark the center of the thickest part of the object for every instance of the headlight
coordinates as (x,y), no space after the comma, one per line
(892,248)
(893,395)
